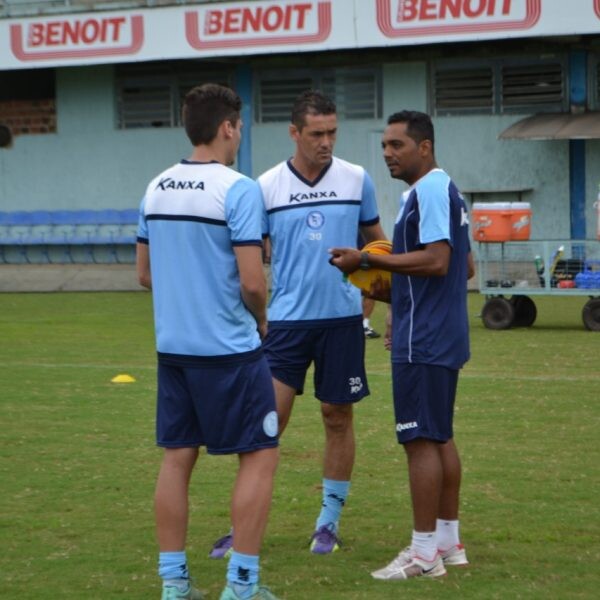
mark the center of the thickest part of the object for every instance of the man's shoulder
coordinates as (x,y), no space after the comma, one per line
(339,164)
(230,175)
(168,172)
(189,172)
(436,176)
(435,183)
(273,173)
(439,182)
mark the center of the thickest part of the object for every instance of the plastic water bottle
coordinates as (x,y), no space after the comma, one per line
(558,253)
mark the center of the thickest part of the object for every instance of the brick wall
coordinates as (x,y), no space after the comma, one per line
(29,116)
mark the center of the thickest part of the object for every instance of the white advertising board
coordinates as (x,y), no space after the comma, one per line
(281,26)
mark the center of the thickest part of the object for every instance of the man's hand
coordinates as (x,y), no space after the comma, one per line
(262,329)
(387,338)
(346,260)
(380,290)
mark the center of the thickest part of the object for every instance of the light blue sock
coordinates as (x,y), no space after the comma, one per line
(242,573)
(173,566)
(334,498)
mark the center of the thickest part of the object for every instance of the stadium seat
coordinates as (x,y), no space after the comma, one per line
(54,236)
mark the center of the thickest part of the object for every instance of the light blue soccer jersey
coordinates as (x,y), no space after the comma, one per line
(429,314)
(304,220)
(192,216)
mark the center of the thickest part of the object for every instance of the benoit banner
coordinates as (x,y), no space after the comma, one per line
(242,28)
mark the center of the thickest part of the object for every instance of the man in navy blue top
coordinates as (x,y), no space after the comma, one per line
(428,337)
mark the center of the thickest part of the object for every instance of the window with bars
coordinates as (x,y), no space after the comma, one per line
(499,86)
(533,85)
(151,94)
(464,89)
(356,92)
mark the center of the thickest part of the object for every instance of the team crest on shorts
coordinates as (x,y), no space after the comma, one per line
(271,424)
(315,219)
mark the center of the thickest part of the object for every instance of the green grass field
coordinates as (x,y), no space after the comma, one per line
(78,465)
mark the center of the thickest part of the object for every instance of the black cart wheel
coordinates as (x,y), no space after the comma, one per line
(498,313)
(525,311)
(591,314)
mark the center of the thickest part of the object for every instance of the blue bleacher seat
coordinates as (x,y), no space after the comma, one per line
(129,216)
(109,216)
(18,227)
(40,227)
(4,224)
(21,217)
(53,236)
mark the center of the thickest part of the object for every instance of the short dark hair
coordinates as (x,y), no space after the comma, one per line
(205,107)
(311,102)
(418,125)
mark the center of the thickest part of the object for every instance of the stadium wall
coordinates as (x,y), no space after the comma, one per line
(89,163)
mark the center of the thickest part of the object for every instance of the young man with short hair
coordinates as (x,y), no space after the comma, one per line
(199,250)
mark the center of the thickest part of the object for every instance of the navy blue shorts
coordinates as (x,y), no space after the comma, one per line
(423,401)
(338,354)
(224,403)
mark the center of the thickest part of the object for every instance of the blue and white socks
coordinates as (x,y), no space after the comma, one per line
(242,574)
(172,568)
(334,498)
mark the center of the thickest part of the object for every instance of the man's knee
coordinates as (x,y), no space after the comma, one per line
(182,459)
(264,462)
(337,418)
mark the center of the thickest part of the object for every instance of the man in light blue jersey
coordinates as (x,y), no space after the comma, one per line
(200,251)
(315,201)
(429,338)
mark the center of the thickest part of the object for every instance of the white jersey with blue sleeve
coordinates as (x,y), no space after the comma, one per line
(429,314)
(192,216)
(304,219)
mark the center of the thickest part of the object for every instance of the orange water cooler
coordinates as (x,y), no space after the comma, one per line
(491,221)
(520,220)
(501,221)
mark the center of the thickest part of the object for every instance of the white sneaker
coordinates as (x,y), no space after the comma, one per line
(408,564)
(455,556)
